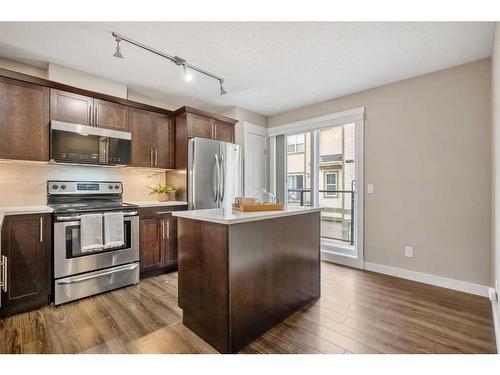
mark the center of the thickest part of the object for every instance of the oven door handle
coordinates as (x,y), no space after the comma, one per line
(77,279)
(78,217)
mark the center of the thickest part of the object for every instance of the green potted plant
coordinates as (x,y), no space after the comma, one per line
(163,191)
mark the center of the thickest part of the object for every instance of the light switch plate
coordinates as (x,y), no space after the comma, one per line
(409,251)
(370,188)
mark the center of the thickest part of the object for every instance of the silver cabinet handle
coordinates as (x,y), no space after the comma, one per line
(41,229)
(96,116)
(168,229)
(156,156)
(151,156)
(163,212)
(90,115)
(71,280)
(163,229)
(4,271)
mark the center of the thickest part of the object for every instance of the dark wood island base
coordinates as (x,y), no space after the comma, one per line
(238,280)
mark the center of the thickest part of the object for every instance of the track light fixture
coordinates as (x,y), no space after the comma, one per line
(222,91)
(187,75)
(179,61)
(118,54)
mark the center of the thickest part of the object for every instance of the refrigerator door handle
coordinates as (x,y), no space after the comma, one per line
(215,177)
(223,179)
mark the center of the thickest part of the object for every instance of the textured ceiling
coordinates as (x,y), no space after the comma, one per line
(268,67)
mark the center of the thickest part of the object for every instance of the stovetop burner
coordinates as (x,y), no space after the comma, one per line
(86,196)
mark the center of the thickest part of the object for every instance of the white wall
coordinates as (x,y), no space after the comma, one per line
(428,152)
(77,78)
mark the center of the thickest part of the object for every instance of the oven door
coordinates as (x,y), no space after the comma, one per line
(69,260)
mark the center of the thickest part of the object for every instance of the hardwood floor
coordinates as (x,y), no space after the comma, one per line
(359,312)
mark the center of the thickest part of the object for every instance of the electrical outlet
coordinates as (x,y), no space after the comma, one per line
(370,189)
(409,251)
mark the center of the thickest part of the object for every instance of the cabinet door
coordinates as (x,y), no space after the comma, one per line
(151,249)
(69,107)
(199,126)
(26,241)
(170,241)
(223,131)
(164,140)
(111,115)
(142,147)
(24,120)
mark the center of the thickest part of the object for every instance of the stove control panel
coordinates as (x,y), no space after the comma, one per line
(84,187)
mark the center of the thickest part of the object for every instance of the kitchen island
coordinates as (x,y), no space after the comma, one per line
(242,273)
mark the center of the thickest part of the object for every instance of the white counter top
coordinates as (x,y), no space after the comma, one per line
(157,204)
(229,216)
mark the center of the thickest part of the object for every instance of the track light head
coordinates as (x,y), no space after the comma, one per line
(222,91)
(187,75)
(118,54)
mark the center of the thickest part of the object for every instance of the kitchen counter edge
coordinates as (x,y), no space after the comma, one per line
(229,216)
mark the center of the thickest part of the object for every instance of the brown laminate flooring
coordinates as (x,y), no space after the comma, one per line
(359,312)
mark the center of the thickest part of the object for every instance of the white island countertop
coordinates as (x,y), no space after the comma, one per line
(229,216)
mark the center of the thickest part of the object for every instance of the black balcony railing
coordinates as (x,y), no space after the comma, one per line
(302,192)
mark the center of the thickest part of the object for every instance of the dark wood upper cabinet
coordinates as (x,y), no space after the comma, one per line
(199,126)
(223,131)
(191,122)
(24,120)
(26,242)
(111,115)
(152,139)
(70,107)
(163,140)
(142,146)
(84,110)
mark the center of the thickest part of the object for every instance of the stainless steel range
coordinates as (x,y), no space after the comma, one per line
(79,273)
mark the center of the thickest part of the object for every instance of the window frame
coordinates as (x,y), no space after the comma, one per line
(325,184)
(295,144)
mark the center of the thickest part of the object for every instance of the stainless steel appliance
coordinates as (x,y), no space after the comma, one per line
(82,144)
(80,274)
(213,173)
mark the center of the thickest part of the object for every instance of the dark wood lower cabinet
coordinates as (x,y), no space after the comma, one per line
(26,244)
(158,240)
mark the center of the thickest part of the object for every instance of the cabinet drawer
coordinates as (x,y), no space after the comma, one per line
(159,211)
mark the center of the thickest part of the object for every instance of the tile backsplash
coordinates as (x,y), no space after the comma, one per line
(25,183)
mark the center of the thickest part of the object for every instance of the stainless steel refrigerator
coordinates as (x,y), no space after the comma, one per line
(213,173)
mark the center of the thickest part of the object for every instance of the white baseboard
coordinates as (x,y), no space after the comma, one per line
(462,286)
(496,322)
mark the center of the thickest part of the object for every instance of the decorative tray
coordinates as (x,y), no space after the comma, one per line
(258,207)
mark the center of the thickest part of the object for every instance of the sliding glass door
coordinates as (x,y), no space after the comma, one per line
(321,170)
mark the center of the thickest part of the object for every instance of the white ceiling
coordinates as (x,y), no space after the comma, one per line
(268,67)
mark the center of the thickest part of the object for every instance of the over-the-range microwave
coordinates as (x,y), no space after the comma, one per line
(89,145)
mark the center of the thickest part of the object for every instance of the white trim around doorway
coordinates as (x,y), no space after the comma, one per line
(356,116)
